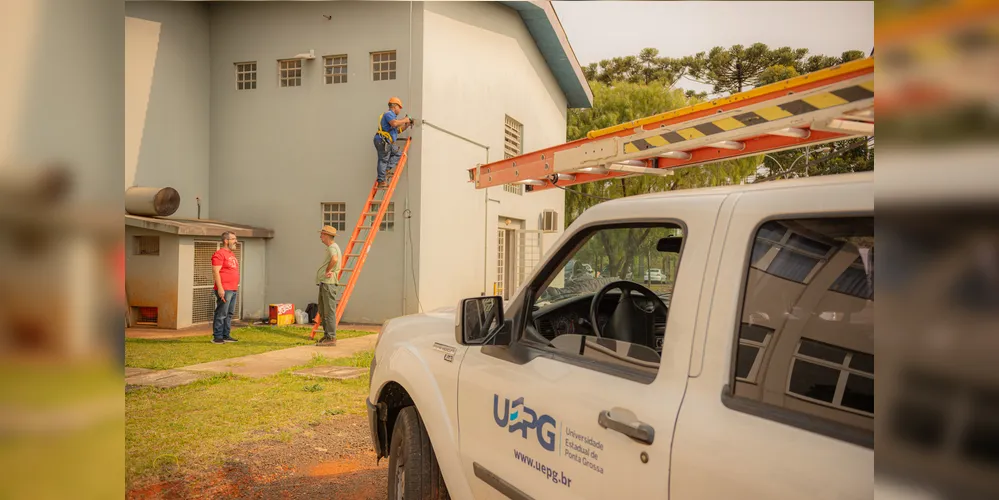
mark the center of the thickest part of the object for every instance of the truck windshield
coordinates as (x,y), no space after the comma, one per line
(615,254)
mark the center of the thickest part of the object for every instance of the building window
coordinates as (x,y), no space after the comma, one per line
(833,376)
(335,215)
(290,73)
(335,68)
(388,220)
(383,65)
(788,254)
(805,341)
(855,280)
(549,221)
(146,245)
(753,343)
(246,75)
(513,145)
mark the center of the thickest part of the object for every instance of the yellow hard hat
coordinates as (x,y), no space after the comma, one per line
(395,100)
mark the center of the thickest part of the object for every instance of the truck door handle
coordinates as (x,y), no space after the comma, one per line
(624,421)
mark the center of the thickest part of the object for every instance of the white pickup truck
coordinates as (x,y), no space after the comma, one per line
(751,376)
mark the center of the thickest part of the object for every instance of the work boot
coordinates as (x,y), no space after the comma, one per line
(382,185)
(326,342)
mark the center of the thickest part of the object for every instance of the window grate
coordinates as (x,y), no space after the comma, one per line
(146,245)
(335,215)
(501,263)
(290,73)
(147,316)
(513,132)
(388,220)
(335,68)
(246,75)
(383,65)
(203,306)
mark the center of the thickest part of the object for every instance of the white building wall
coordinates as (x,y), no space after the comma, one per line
(469,87)
(167,99)
(156,280)
(278,153)
(61,94)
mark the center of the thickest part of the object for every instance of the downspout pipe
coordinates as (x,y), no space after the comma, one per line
(485,207)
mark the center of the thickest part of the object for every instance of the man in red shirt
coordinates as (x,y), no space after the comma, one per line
(225,268)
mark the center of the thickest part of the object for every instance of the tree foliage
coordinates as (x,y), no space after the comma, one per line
(738,68)
(730,70)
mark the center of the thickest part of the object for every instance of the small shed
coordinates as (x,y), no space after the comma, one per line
(168,272)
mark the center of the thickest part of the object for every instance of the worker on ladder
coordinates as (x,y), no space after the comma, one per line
(389,126)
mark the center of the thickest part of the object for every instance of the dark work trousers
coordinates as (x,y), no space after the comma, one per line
(329,295)
(388,156)
(222,326)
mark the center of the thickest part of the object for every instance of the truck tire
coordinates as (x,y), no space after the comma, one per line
(413,470)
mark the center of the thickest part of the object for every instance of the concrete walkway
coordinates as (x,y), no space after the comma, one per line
(269,363)
(253,366)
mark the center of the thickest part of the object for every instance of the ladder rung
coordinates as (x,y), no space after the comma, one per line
(366,227)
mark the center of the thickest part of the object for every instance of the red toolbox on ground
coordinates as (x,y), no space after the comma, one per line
(282,314)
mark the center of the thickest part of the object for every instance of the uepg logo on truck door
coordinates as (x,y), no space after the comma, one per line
(514,417)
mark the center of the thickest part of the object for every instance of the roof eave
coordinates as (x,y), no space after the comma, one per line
(183,227)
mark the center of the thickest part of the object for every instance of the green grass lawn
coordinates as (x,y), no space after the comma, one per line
(162,354)
(194,424)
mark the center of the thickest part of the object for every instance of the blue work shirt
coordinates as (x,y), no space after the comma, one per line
(387,127)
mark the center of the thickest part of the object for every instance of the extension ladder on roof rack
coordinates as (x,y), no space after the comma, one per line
(828,105)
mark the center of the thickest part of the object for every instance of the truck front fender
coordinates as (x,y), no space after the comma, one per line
(422,381)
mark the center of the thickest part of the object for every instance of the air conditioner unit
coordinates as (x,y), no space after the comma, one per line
(549,221)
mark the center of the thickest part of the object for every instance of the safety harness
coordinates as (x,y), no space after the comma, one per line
(382,132)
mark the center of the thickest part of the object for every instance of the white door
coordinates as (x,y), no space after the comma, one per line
(781,399)
(563,414)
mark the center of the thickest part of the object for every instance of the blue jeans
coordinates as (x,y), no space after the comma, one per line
(222,325)
(388,156)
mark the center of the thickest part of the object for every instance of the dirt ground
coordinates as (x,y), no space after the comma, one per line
(330,460)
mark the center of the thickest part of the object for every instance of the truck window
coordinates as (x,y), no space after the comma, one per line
(805,342)
(632,268)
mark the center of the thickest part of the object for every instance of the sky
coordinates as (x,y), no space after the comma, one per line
(601,30)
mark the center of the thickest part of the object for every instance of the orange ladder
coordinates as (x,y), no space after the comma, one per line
(364,234)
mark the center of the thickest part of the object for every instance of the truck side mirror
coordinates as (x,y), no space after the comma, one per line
(477,318)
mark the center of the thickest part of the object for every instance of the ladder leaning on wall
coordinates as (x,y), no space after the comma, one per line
(356,251)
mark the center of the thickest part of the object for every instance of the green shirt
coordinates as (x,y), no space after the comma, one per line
(331,251)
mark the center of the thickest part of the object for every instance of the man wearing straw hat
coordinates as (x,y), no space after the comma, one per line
(327,277)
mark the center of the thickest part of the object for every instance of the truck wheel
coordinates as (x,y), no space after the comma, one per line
(413,470)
